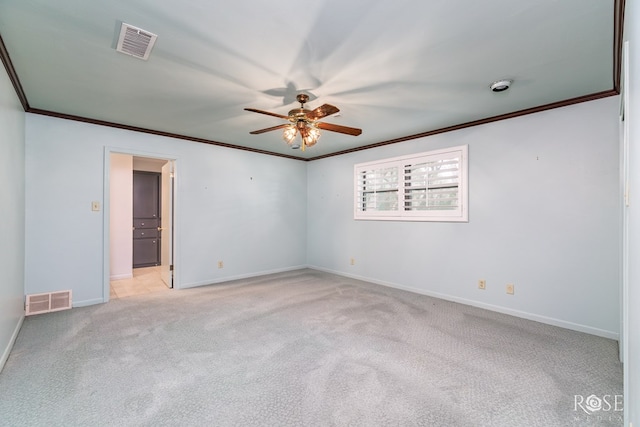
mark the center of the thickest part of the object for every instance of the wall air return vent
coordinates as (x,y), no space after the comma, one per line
(45,303)
(135,41)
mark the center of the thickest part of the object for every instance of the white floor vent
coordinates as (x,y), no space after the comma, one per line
(135,41)
(45,303)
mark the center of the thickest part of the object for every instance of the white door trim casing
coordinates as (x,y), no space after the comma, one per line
(166,232)
(624,263)
(108,150)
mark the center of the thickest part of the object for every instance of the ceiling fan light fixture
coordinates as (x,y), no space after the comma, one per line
(312,136)
(500,85)
(305,122)
(289,134)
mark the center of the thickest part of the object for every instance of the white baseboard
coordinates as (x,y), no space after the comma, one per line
(121,276)
(14,336)
(88,302)
(504,310)
(239,277)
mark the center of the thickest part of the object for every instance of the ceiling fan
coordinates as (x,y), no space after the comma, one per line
(305,122)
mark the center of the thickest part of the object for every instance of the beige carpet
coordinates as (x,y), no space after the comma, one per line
(301,348)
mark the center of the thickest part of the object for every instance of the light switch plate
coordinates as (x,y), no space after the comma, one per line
(95,206)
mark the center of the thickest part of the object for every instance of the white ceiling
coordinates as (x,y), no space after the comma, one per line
(395,69)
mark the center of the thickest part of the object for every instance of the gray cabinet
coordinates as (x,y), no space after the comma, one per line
(146,219)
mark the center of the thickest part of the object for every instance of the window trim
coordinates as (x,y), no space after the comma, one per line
(460,214)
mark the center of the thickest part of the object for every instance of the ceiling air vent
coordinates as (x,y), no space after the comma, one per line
(135,41)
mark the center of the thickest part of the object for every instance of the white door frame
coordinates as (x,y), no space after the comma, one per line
(166,229)
(106,238)
(625,308)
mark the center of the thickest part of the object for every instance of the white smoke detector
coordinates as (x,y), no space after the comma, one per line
(500,85)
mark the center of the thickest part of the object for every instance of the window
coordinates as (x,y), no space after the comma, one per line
(429,186)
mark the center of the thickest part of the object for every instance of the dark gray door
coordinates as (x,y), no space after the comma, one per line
(146,219)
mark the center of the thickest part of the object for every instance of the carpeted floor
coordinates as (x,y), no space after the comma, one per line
(302,348)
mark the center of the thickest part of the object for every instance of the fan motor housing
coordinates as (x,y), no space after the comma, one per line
(299,114)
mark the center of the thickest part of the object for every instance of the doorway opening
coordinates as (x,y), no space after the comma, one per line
(141,225)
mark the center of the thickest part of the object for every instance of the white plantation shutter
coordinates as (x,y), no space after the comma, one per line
(378,189)
(433,184)
(428,186)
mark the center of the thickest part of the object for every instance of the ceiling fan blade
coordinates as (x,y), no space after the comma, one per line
(338,128)
(322,111)
(267,113)
(282,126)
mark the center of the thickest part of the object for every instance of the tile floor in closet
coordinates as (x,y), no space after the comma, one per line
(145,280)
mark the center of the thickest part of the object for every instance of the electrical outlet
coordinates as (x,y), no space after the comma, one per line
(95,206)
(352,261)
(482,284)
(510,288)
(220,264)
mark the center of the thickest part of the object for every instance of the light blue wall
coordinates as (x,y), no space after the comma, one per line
(12,164)
(245,209)
(544,215)
(632,369)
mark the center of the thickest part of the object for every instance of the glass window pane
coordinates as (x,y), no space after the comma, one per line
(431,185)
(386,201)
